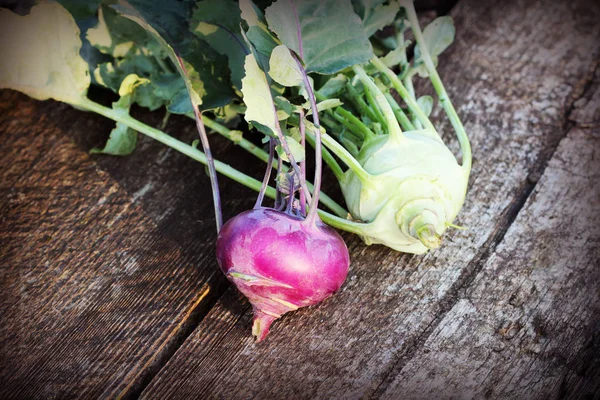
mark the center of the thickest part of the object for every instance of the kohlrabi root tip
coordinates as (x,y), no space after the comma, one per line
(429,237)
(262,323)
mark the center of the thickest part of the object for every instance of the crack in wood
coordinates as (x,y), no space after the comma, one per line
(469,274)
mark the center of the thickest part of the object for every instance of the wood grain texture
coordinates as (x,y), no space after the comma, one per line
(529,326)
(93,294)
(514,72)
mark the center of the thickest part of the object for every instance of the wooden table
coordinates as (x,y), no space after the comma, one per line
(110,287)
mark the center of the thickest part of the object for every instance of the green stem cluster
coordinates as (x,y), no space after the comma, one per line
(196,154)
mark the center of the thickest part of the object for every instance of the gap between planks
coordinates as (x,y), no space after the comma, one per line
(470,273)
(199,310)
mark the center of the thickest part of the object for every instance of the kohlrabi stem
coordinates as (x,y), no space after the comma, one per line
(194,153)
(347,129)
(263,155)
(393,128)
(398,111)
(410,89)
(350,127)
(345,156)
(265,182)
(463,139)
(290,157)
(407,125)
(303,162)
(212,172)
(175,144)
(373,106)
(312,208)
(408,99)
(278,197)
(343,224)
(242,142)
(161,63)
(329,160)
(363,129)
(360,103)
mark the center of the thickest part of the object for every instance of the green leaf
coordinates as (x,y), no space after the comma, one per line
(426,104)
(438,35)
(251,14)
(160,91)
(263,43)
(218,23)
(328,104)
(258,36)
(334,86)
(180,103)
(284,108)
(168,18)
(257,96)
(40,54)
(81,9)
(283,67)
(116,37)
(295,148)
(331,39)
(122,142)
(375,14)
(202,71)
(130,83)
(396,56)
(302,92)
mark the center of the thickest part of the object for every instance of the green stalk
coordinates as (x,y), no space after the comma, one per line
(346,158)
(399,113)
(393,128)
(264,156)
(242,142)
(360,103)
(401,116)
(355,132)
(408,83)
(373,106)
(463,139)
(403,92)
(329,160)
(348,116)
(343,224)
(192,152)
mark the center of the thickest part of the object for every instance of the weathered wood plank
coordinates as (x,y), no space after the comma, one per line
(529,326)
(93,294)
(513,72)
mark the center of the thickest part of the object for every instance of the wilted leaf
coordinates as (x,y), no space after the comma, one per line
(40,54)
(283,67)
(257,95)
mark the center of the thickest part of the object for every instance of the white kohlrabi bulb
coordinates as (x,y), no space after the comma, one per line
(415,190)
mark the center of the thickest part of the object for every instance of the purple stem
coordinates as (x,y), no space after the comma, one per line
(291,195)
(212,172)
(303,162)
(298,30)
(291,158)
(312,211)
(278,201)
(265,182)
